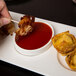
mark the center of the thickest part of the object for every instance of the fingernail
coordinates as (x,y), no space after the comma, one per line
(6,21)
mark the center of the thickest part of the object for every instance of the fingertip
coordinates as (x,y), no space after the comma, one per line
(4,21)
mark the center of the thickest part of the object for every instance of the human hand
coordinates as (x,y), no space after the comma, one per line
(74,1)
(5,17)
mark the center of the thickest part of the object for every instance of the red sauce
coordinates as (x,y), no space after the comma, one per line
(38,38)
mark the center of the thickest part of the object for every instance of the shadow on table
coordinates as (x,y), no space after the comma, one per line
(2,39)
(14,2)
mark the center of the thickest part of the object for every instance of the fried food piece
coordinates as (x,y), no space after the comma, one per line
(25,25)
(71,60)
(7,29)
(64,42)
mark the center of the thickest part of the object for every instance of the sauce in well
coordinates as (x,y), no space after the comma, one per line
(37,38)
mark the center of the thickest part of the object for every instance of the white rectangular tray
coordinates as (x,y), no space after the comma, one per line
(46,63)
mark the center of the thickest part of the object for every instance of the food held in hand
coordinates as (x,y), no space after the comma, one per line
(64,42)
(26,25)
(71,60)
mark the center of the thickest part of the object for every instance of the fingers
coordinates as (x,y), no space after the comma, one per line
(4,21)
(1,4)
(5,12)
(5,17)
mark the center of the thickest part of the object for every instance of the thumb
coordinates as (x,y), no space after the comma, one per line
(4,21)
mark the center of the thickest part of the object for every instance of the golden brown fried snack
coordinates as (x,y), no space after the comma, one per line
(7,29)
(71,60)
(64,42)
(25,25)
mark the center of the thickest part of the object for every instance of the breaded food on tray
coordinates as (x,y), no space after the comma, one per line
(64,42)
(71,60)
